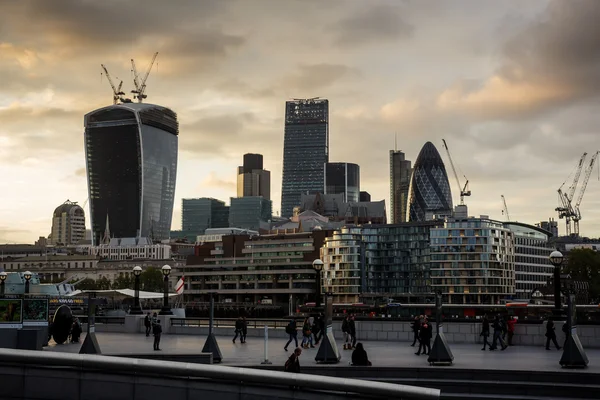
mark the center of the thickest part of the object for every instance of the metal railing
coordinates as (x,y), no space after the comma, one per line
(273,379)
(230,322)
(103,320)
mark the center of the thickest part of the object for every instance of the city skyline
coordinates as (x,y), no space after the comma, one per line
(515,98)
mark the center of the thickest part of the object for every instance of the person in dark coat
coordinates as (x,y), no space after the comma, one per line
(244,329)
(76,331)
(148,324)
(157,331)
(359,356)
(293,362)
(352,330)
(485,332)
(498,328)
(425,334)
(551,335)
(292,330)
(239,329)
(416,325)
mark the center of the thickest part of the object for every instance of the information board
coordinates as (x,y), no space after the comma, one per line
(35,312)
(11,313)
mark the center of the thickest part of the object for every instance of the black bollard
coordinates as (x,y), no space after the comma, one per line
(440,352)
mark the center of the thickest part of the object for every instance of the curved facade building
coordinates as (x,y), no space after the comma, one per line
(429,191)
(131,155)
(68,224)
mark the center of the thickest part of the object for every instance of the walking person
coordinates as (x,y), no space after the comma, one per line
(346,332)
(292,330)
(148,324)
(157,330)
(511,329)
(352,331)
(293,362)
(239,326)
(485,332)
(551,335)
(498,326)
(425,334)
(244,329)
(416,325)
(306,334)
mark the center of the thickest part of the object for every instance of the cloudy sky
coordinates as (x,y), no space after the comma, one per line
(513,87)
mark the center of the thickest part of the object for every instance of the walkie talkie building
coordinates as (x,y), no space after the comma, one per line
(131,156)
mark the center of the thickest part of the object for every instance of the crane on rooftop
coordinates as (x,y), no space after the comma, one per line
(505,209)
(140,84)
(463,190)
(565,208)
(577,213)
(117,92)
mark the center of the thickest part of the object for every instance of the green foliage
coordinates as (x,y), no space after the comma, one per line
(87,284)
(123,281)
(151,280)
(584,265)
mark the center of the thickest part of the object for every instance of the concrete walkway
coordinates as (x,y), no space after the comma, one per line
(381,354)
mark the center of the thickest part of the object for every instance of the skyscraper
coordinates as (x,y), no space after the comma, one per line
(252,179)
(131,155)
(305,150)
(197,215)
(343,178)
(429,188)
(400,172)
(68,224)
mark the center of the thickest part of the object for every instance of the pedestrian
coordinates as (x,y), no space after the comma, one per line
(292,330)
(157,330)
(306,334)
(148,324)
(511,329)
(485,332)
(352,330)
(293,362)
(360,357)
(416,325)
(244,329)
(346,332)
(425,334)
(498,326)
(154,319)
(551,335)
(239,327)
(75,331)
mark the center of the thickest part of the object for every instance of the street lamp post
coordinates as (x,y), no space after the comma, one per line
(3,276)
(318,266)
(27,276)
(556,259)
(136,309)
(166,310)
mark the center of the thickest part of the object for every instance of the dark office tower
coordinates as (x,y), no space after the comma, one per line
(253,180)
(400,172)
(131,155)
(197,215)
(365,196)
(344,179)
(430,193)
(305,150)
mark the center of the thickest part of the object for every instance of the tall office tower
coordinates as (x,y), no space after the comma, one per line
(305,150)
(343,178)
(400,171)
(249,212)
(197,215)
(68,224)
(429,194)
(252,179)
(131,154)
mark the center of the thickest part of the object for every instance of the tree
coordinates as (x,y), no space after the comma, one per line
(123,281)
(584,265)
(87,284)
(151,280)
(102,283)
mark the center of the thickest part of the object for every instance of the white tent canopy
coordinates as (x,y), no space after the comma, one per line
(123,292)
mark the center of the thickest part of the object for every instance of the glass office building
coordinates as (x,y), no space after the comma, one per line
(249,212)
(305,150)
(400,174)
(343,178)
(429,193)
(131,155)
(197,215)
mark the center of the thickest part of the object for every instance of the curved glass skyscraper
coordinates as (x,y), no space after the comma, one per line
(131,156)
(429,191)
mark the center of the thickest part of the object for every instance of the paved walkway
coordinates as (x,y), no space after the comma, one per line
(382,354)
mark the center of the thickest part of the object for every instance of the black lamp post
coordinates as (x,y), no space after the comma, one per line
(27,276)
(166,310)
(318,266)
(3,276)
(556,259)
(136,309)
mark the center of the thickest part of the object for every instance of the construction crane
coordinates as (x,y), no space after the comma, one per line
(464,190)
(140,85)
(505,210)
(577,213)
(117,92)
(565,208)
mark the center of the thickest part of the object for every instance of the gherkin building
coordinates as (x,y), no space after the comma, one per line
(429,192)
